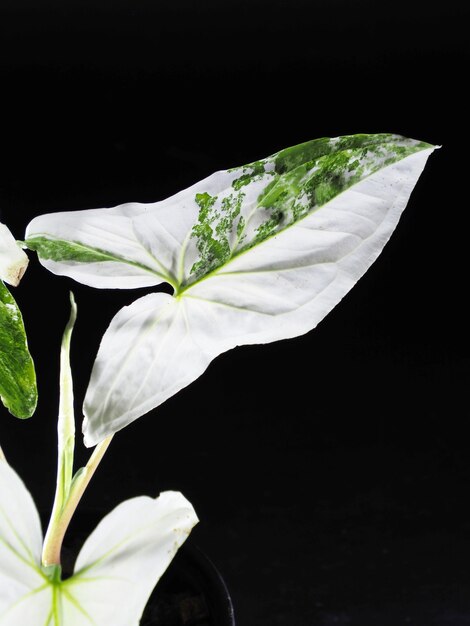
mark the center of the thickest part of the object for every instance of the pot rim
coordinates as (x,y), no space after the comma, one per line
(192,564)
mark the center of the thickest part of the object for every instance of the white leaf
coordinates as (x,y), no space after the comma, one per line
(126,555)
(23,587)
(156,355)
(280,289)
(115,571)
(255,254)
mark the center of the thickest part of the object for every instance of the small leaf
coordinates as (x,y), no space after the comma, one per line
(255,254)
(18,389)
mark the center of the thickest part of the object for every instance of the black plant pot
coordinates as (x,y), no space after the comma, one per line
(190,593)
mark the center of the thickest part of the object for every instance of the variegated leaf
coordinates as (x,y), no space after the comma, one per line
(254,254)
(18,390)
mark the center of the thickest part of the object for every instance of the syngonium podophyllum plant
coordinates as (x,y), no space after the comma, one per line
(253,254)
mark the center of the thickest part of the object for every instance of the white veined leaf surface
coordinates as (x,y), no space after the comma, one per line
(125,556)
(255,254)
(115,571)
(20,540)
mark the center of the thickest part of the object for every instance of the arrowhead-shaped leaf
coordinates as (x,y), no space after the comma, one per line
(255,254)
(115,571)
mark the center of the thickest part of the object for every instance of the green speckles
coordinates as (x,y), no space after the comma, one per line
(269,195)
(215,229)
(210,249)
(230,210)
(330,176)
(251,173)
(240,226)
(290,158)
(300,207)
(212,252)
(269,227)
(356,142)
(354,165)
(363,144)
(205,202)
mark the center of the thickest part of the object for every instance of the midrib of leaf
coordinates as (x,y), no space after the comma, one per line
(55,605)
(53,618)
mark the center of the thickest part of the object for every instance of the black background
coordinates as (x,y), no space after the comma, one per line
(331,472)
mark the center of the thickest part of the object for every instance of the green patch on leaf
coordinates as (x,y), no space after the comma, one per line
(18,389)
(311,174)
(214,229)
(60,250)
(252,172)
(297,182)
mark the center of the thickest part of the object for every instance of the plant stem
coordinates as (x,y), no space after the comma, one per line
(65,422)
(69,488)
(59,524)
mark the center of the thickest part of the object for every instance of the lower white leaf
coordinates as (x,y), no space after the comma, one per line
(126,555)
(116,569)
